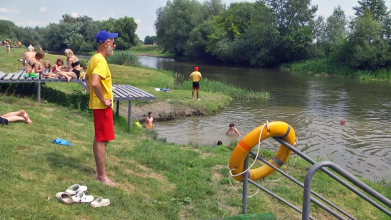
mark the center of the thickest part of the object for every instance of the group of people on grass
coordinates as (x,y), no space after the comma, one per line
(35,67)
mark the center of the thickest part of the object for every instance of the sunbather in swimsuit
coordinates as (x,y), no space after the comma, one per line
(31,63)
(77,72)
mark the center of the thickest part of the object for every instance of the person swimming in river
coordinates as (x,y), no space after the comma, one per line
(232,131)
(149,121)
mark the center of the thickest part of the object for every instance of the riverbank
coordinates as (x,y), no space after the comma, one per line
(156,179)
(324,67)
(149,50)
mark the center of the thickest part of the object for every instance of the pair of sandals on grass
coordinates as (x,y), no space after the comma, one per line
(76,194)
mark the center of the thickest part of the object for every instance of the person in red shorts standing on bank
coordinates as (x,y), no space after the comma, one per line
(196,77)
(101,101)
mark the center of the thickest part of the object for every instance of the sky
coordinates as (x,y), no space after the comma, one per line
(43,12)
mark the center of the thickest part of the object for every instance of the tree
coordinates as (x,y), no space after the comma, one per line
(175,22)
(291,15)
(198,41)
(364,47)
(336,26)
(229,26)
(377,8)
(213,8)
(295,23)
(126,29)
(149,40)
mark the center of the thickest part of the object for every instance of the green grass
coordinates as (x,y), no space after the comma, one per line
(155,179)
(323,66)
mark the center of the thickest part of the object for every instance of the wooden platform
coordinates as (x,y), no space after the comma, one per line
(121,91)
(128,92)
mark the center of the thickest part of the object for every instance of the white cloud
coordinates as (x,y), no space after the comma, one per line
(43,9)
(75,15)
(138,21)
(104,18)
(6,10)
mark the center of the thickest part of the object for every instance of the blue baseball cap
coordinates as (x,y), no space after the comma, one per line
(102,36)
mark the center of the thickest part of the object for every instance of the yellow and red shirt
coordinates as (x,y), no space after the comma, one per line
(98,65)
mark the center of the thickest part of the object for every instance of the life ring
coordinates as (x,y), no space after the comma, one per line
(270,129)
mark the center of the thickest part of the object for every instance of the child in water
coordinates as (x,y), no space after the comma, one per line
(232,130)
(149,121)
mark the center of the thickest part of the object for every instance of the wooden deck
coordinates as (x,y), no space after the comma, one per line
(121,91)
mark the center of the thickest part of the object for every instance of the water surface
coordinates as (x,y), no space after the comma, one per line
(313,106)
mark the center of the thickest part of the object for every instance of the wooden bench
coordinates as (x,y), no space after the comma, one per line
(18,77)
(121,91)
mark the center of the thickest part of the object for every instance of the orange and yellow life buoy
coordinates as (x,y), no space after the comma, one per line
(270,129)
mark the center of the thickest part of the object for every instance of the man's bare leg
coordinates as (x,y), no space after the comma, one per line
(100,156)
(17,116)
(25,116)
(192,94)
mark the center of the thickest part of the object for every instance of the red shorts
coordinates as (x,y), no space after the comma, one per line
(103,124)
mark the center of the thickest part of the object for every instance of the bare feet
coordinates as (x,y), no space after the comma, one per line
(106,181)
(69,79)
(24,114)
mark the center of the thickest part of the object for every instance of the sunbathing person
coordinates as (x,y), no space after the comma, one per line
(38,67)
(15,116)
(27,56)
(47,70)
(72,70)
(57,67)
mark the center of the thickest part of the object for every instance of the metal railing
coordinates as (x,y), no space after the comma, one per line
(341,214)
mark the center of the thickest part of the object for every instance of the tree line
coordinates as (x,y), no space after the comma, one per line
(268,33)
(77,33)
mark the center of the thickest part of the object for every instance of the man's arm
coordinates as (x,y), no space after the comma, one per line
(97,87)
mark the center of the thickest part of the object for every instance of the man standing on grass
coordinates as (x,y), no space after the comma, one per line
(101,101)
(196,77)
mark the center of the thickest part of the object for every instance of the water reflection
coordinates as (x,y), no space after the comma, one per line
(314,106)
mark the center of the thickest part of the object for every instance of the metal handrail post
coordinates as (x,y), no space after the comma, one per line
(332,175)
(345,174)
(302,186)
(39,91)
(245,186)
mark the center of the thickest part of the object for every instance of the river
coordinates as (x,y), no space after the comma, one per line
(312,105)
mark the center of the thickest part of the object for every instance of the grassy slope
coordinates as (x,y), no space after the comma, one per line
(156,180)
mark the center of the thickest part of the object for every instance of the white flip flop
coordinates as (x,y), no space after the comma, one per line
(64,197)
(81,197)
(100,202)
(74,188)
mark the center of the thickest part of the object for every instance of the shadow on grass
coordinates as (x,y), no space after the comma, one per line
(59,161)
(76,100)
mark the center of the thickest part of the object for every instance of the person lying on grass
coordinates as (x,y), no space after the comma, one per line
(15,116)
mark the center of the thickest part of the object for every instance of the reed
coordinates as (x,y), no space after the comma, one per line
(233,91)
(126,58)
(208,85)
